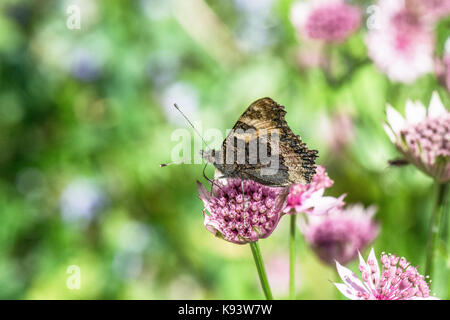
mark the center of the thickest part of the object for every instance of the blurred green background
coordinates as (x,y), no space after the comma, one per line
(86,118)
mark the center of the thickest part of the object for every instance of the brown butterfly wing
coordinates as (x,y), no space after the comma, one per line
(296,161)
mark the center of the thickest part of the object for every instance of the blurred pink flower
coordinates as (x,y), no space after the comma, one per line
(423,137)
(242,217)
(338,131)
(398,280)
(309,198)
(402,44)
(340,235)
(327,20)
(310,55)
(277,267)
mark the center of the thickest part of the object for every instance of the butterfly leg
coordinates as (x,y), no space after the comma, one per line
(208,179)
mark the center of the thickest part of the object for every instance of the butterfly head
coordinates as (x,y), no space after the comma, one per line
(209,155)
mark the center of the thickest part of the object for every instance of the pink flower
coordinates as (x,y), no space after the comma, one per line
(309,198)
(340,235)
(398,280)
(424,137)
(331,20)
(401,44)
(242,216)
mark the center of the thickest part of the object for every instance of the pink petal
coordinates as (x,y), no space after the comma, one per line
(350,279)
(348,292)
(372,257)
(203,193)
(211,225)
(436,107)
(415,112)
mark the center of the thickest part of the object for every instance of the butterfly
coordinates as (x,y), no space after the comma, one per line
(286,160)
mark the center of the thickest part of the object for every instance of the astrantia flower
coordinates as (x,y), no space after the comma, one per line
(401,44)
(424,137)
(331,21)
(398,280)
(242,216)
(309,198)
(340,235)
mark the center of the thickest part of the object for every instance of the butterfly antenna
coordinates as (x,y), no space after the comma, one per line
(196,131)
(191,124)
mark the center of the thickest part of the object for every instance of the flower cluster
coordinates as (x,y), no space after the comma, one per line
(398,280)
(330,21)
(340,235)
(242,211)
(424,137)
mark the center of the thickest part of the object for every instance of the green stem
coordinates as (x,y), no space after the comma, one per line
(435,227)
(292,258)
(261,271)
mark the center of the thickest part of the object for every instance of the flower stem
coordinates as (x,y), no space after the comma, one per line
(261,271)
(292,258)
(435,227)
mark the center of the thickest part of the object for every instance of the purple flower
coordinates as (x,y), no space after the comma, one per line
(340,235)
(398,280)
(424,137)
(401,44)
(309,198)
(330,21)
(242,215)
(85,65)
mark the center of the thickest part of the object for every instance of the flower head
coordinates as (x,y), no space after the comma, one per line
(242,211)
(398,280)
(330,21)
(401,44)
(309,198)
(424,137)
(341,234)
